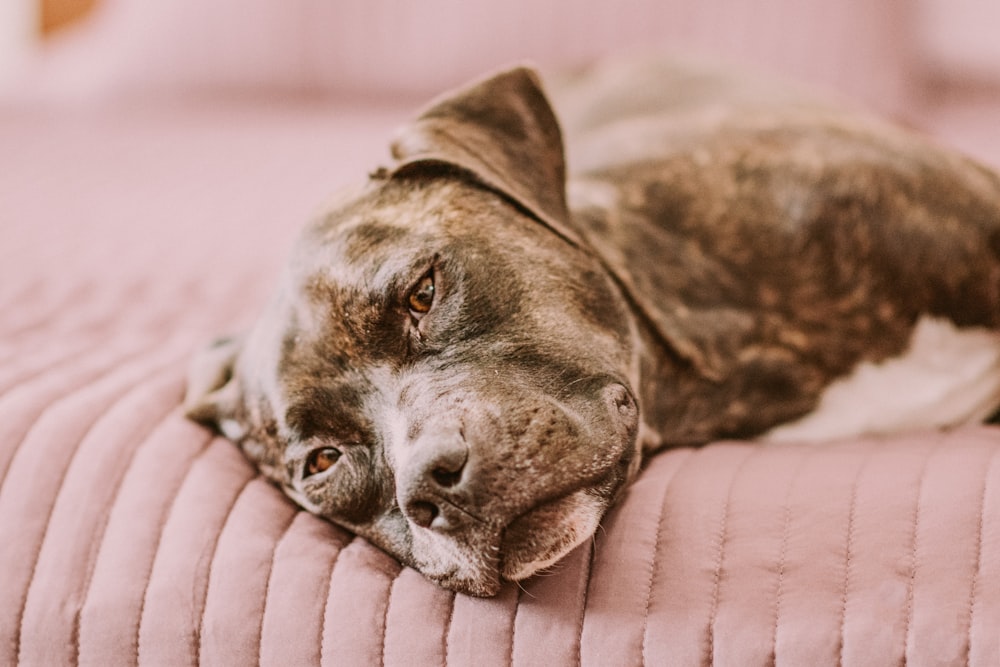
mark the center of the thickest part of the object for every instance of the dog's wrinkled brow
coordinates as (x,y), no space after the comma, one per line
(373,236)
(332,409)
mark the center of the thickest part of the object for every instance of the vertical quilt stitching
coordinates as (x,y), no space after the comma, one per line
(385,614)
(720,559)
(914,547)
(156,548)
(584,597)
(850,537)
(99,375)
(267,585)
(62,307)
(97,544)
(513,624)
(118,398)
(978,562)
(200,630)
(63,357)
(446,638)
(783,550)
(326,606)
(651,579)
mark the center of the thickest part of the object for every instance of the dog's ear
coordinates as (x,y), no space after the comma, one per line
(504,134)
(213,393)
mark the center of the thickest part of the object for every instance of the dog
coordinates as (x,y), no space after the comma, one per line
(470,354)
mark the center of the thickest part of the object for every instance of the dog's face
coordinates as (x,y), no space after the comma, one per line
(444,369)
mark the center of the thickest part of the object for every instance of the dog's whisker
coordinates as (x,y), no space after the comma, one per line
(524,590)
(584,378)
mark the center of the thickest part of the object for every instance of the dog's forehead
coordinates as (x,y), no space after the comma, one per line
(378,232)
(506,281)
(345,268)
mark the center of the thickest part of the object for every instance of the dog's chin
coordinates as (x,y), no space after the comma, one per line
(483,584)
(469,565)
(539,539)
(532,542)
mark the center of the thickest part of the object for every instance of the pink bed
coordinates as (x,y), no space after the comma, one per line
(131,232)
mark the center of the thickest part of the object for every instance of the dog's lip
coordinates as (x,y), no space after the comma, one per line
(532,541)
(545,534)
(478,572)
(486,583)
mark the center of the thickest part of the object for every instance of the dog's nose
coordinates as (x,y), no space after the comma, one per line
(434,473)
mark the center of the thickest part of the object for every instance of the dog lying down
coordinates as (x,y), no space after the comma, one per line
(469,355)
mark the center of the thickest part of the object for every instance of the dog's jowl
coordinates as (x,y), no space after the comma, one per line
(469,354)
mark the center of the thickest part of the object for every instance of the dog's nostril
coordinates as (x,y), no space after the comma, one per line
(446,478)
(423,513)
(620,399)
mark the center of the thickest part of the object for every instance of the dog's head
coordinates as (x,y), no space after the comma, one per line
(445,369)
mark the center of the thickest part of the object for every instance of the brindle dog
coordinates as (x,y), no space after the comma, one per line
(468,356)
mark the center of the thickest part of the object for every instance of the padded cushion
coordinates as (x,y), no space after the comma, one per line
(130,535)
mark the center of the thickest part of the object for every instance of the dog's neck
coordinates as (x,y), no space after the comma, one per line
(692,384)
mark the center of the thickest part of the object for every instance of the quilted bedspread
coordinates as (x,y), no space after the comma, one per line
(129,535)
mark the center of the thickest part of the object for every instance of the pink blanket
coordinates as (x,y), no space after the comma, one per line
(129,535)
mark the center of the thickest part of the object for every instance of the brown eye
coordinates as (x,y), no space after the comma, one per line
(422,296)
(320,460)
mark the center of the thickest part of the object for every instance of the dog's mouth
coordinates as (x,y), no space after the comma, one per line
(478,564)
(478,560)
(540,538)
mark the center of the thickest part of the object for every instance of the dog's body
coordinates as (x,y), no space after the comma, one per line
(469,355)
(786,241)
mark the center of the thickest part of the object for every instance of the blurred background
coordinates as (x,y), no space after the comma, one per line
(934,64)
(129,128)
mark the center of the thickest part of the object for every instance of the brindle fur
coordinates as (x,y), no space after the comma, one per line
(726,251)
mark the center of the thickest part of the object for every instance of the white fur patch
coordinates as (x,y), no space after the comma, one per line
(232,429)
(947,377)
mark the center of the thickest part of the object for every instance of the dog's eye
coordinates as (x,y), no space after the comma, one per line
(320,460)
(422,296)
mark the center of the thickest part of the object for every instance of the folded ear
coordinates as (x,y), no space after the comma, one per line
(503,133)
(213,392)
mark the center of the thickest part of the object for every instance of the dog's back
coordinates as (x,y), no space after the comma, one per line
(779,243)
(629,109)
